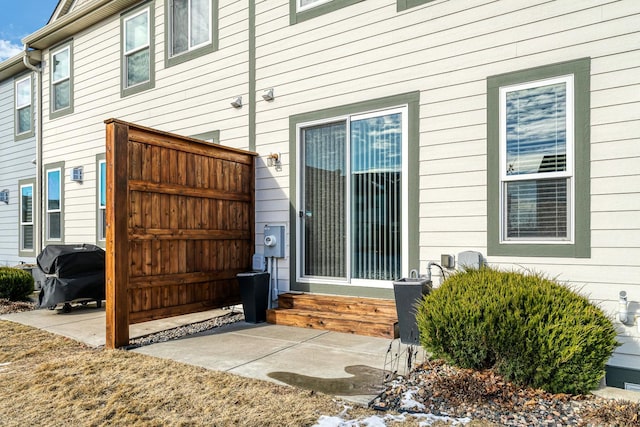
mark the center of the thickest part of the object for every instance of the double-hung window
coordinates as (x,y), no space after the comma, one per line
(192,29)
(538,161)
(24,107)
(352,198)
(54,204)
(26,217)
(102,200)
(61,84)
(137,51)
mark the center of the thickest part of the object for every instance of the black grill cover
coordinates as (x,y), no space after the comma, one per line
(74,272)
(67,261)
(56,290)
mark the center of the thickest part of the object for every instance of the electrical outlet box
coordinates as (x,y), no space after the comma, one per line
(274,241)
(447,261)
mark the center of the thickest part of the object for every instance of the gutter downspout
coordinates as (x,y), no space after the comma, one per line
(39,191)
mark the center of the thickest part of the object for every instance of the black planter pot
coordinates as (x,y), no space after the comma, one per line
(408,293)
(254,292)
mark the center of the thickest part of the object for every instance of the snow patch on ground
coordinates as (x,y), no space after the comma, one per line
(377,421)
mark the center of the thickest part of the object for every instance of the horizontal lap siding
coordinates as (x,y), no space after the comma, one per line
(15,164)
(446,50)
(188,99)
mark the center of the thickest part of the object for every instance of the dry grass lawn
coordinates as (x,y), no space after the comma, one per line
(50,380)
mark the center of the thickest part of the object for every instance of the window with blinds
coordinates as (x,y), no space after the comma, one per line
(536,149)
(26,217)
(353,197)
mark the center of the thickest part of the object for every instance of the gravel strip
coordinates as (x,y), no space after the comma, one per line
(444,390)
(186,330)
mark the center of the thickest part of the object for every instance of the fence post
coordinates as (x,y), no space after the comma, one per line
(117,260)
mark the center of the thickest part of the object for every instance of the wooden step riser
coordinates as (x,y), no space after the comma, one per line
(318,321)
(356,306)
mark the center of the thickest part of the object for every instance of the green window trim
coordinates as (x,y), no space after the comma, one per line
(407,4)
(412,100)
(213,136)
(18,136)
(31,182)
(169,60)
(100,159)
(53,113)
(581,246)
(47,168)
(322,9)
(150,84)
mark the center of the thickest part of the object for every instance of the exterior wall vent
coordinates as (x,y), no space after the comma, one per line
(632,386)
(76,174)
(4,196)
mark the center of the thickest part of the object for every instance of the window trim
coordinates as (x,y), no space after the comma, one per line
(51,167)
(297,16)
(31,132)
(412,101)
(126,16)
(197,51)
(408,4)
(102,242)
(53,113)
(31,182)
(580,247)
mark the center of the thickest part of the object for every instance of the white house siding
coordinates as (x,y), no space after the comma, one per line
(190,98)
(15,164)
(446,50)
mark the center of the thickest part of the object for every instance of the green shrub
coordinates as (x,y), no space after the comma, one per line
(534,331)
(15,284)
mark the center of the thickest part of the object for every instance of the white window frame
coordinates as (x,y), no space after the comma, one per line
(102,232)
(126,53)
(22,106)
(27,223)
(189,47)
(54,83)
(52,211)
(404,252)
(317,3)
(568,173)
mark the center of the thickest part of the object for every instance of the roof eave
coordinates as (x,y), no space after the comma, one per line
(15,65)
(72,23)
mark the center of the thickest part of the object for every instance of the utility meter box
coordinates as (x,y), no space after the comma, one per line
(274,241)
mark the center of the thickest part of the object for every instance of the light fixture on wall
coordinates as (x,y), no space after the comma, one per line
(237,102)
(268,95)
(273,159)
(4,196)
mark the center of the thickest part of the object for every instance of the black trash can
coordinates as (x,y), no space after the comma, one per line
(409,292)
(254,292)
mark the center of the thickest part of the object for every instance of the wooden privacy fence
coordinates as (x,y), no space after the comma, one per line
(180,225)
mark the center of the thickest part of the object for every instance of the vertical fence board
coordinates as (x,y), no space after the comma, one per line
(179,225)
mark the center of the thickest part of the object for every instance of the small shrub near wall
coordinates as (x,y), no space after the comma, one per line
(15,284)
(533,330)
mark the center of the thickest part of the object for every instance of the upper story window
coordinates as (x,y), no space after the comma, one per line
(308,4)
(302,10)
(61,81)
(24,107)
(190,25)
(137,51)
(192,29)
